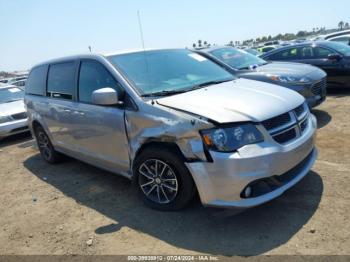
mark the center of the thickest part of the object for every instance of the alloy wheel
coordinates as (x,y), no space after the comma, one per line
(158,181)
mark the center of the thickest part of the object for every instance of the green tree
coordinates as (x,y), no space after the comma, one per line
(346,25)
(279,37)
(301,33)
(341,25)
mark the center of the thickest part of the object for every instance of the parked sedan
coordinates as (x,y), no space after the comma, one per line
(307,80)
(13,117)
(332,57)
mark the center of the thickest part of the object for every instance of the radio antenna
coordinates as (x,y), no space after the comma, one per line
(143,47)
(141,31)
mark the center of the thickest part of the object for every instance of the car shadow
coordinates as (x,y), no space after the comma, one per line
(323,117)
(16,139)
(208,230)
(338,92)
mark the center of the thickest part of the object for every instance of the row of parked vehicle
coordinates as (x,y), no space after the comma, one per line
(221,123)
(16,81)
(338,37)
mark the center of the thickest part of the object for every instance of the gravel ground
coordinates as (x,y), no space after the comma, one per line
(74,208)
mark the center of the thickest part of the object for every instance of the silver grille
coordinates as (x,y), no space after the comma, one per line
(288,126)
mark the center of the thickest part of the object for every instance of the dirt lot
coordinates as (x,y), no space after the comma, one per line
(73,208)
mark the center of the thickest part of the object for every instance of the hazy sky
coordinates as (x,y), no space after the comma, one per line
(36,30)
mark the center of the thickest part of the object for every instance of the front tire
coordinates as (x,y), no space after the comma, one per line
(163,180)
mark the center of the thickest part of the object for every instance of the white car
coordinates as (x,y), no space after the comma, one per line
(13,116)
(342,37)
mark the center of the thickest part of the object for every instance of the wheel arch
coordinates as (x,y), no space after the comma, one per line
(36,124)
(159,145)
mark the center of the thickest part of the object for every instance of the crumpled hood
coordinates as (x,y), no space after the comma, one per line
(12,108)
(236,101)
(287,69)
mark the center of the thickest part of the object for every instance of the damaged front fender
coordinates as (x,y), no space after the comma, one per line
(156,123)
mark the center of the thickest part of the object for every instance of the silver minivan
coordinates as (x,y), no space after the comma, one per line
(175,123)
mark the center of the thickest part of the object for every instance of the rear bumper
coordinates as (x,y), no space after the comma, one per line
(222,182)
(13,127)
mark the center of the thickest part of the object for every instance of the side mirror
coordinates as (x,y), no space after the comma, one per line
(105,96)
(334,57)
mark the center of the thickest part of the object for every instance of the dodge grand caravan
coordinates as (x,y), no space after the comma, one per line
(175,123)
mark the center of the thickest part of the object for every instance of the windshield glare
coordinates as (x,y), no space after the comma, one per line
(11,94)
(237,59)
(252,51)
(168,70)
(341,48)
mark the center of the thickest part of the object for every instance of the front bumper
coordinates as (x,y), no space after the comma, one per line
(13,127)
(312,99)
(315,100)
(221,182)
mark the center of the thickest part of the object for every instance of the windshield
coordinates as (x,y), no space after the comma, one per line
(339,47)
(168,70)
(236,58)
(252,51)
(11,94)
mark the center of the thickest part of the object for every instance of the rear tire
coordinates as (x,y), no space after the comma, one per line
(46,149)
(163,180)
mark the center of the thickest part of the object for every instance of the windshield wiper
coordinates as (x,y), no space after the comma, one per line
(164,93)
(174,92)
(14,100)
(255,66)
(209,83)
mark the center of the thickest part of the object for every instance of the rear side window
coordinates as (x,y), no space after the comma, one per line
(36,83)
(306,52)
(93,76)
(320,52)
(61,80)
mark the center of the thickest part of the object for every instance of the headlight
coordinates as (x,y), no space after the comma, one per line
(4,119)
(290,79)
(228,139)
